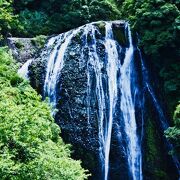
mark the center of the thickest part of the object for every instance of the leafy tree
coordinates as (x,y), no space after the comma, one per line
(30,146)
(33,23)
(8,21)
(56,16)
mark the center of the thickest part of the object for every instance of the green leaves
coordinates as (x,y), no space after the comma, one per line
(8,20)
(28,18)
(30,146)
(173,133)
(33,23)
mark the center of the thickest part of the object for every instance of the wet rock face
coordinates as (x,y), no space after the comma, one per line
(24,49)
(78,115)
(120,33)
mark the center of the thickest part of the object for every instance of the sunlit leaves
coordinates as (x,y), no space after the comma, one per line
(30,146)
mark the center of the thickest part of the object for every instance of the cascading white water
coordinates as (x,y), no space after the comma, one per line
(128,114)
(127,106)
(23,71)
(94,61)
(112,68)
(55,64)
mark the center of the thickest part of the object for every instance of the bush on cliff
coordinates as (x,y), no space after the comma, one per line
(30,146)
(173,133)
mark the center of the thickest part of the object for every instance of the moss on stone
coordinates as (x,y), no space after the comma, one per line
(154,155)
(19,45)
(151,142)
(101,26)
(89,38)
(160,175)
(120,35)
(77,37)
(39,41)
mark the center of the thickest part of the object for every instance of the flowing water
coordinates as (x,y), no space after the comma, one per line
(162,118)
(128,114)
(23,71)
(112,68)
(114,90)
(55,64)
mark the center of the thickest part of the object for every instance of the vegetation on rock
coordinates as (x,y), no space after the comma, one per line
(173,133)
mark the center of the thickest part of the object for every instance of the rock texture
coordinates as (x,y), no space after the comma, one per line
(22,48)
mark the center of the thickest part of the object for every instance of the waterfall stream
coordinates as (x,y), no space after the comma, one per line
(128,114)
(112,68)
(23,71)
(110,82)
(162,118)
(55,64)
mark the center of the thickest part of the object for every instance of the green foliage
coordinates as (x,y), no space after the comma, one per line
(173,133)
(75,13)
(33,23)
(7,19)
(48,17)
(30,146)
(156,21)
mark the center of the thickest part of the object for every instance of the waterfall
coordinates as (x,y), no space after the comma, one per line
(127,106)
(112,68)
(128,114)
(106,98)
(109,88)
(55,64)
(105,129)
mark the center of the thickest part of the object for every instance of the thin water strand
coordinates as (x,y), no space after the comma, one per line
(23,71)
(55,64)
(112,68)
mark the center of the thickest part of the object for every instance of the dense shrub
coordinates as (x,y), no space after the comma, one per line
(30,145)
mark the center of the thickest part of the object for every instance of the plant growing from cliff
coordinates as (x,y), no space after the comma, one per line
(19,45)
(39,41)
(30,146)
(173,133)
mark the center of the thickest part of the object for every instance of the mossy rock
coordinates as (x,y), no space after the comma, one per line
(77,37)
(39,41)
(19,45)
(37,75)
(101,26)
(119,32)
(154,156)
